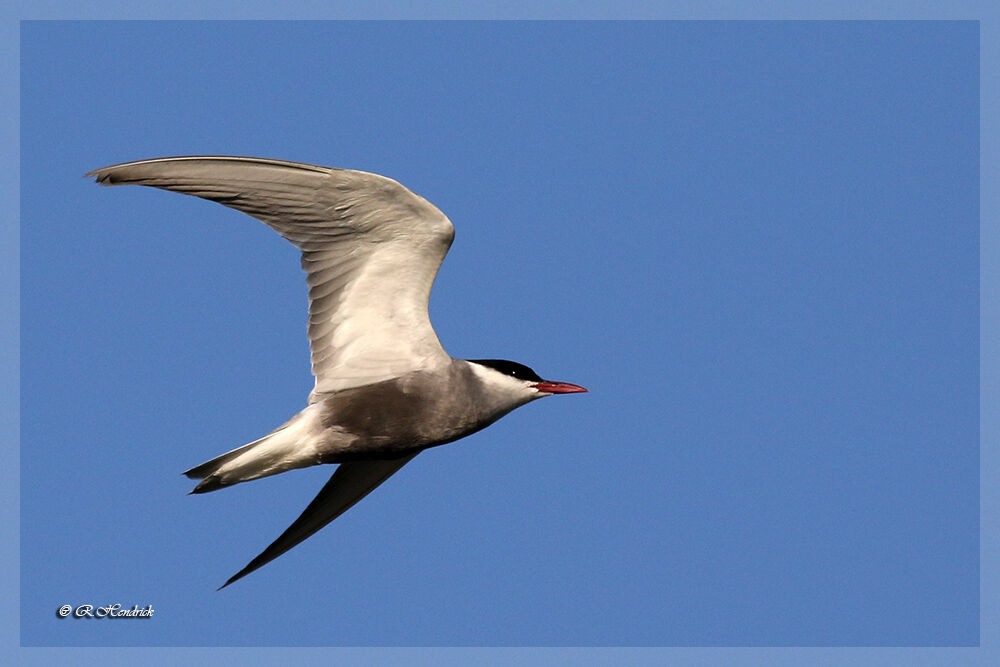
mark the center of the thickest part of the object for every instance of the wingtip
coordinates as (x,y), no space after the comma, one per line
(236,577)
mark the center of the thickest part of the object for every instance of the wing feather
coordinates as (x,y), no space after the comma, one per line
(350,483)
(370,249)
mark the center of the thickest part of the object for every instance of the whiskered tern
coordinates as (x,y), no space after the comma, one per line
(385,388)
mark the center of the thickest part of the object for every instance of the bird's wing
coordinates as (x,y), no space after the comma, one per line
(370,249)
(350,483)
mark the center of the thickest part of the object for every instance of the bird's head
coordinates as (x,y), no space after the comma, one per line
(516,379)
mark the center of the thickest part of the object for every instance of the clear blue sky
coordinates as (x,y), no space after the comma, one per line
(757,245)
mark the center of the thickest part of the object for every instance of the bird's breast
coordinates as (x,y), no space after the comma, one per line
(391,418)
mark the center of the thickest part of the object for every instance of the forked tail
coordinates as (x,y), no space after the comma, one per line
(206,472)
(283,449)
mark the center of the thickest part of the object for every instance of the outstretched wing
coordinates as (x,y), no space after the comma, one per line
(370,249)
(350,483)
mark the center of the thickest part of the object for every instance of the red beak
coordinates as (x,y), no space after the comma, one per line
(558,387)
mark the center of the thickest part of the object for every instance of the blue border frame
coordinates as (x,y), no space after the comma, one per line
(989,19)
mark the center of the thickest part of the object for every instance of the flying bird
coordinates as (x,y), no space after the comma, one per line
(384,388)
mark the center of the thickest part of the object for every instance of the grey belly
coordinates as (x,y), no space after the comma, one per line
(391,419)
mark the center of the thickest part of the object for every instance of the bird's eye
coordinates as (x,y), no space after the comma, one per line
(509,368)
